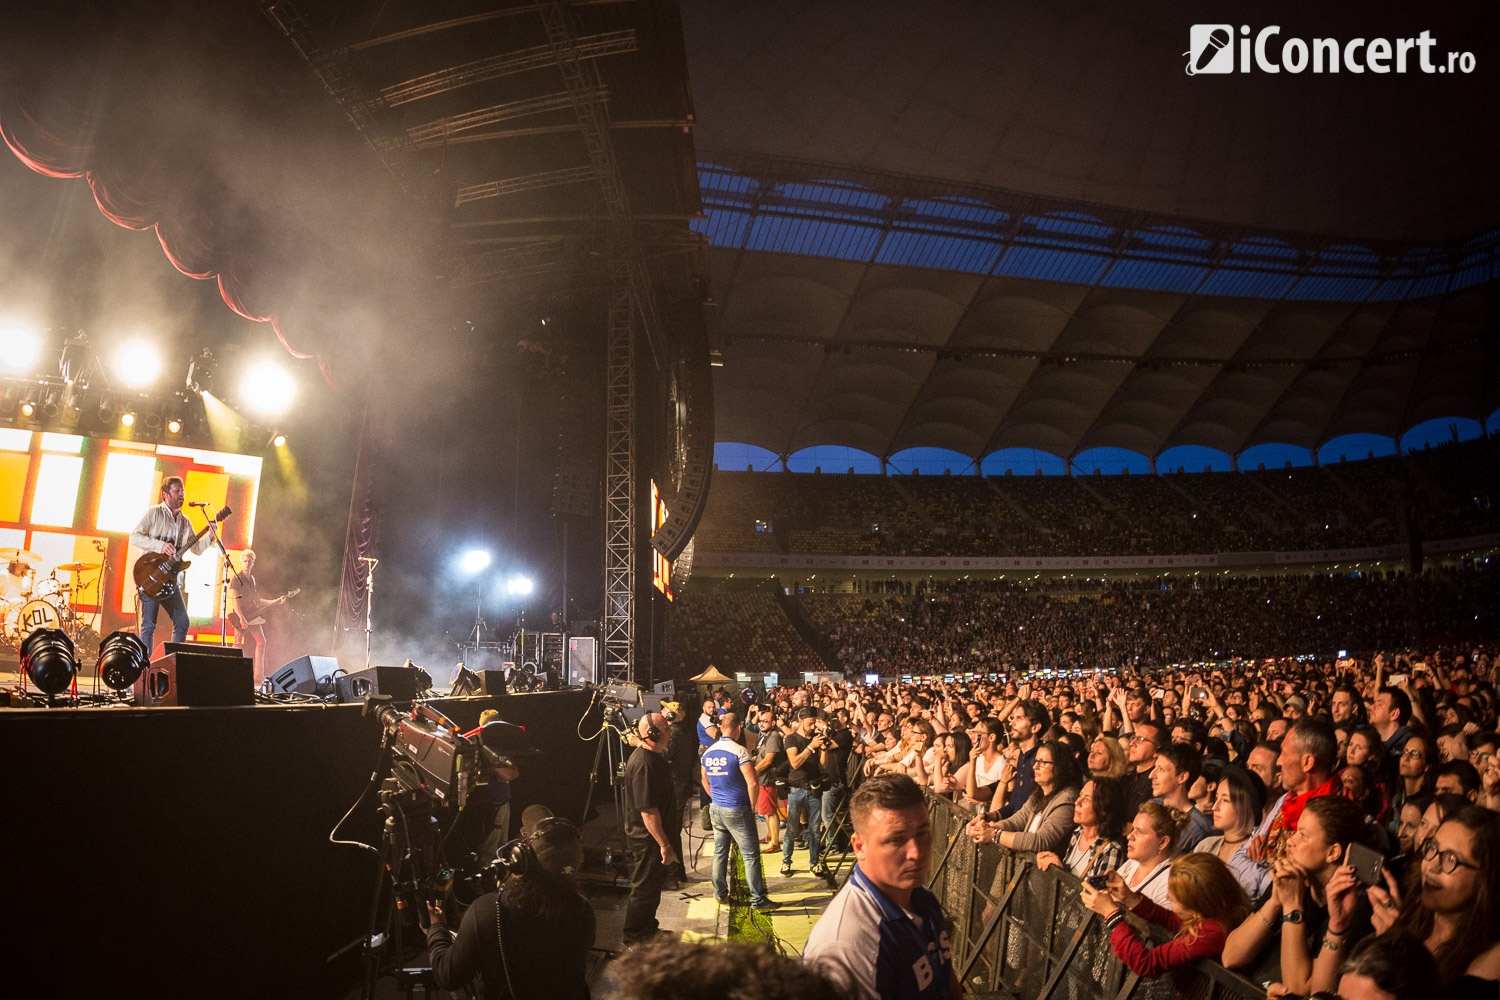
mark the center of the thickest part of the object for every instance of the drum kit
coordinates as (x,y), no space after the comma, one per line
(29,601)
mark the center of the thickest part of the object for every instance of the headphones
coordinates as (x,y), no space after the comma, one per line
(650,732)
(519,858)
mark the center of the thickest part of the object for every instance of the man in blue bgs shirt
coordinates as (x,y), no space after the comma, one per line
(729,779)
(884,933)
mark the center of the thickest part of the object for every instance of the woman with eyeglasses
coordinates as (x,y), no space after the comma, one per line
(1413,777)
(1045,821)
(1456,912)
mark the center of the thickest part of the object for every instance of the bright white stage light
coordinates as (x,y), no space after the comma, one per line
(267,389)
(19,347)
(138,364)
(519,586)
(475,560)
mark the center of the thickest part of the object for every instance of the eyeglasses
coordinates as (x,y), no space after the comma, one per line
(1414,754)
(1448,861)
(1142,739)
(1039,762)
(1478,757)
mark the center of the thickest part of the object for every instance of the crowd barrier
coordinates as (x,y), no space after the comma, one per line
(1019,931)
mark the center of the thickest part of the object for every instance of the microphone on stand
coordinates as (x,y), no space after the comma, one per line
(198,503)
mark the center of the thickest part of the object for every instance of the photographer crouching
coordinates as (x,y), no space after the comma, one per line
(532,938)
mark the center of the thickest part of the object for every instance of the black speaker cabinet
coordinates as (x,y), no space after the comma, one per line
(491,682)
(303,674)
(398,682)
(197,679)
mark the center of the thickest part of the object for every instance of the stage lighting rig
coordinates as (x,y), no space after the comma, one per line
(48,660)
(122,660)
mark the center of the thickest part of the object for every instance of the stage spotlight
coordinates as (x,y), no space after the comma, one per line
(47,658)
(28,408)
(174,426)
(475,560)
(267,389)
(19,347)
(138,364)
(519,586)
(122,659)
(278,440)
(463,681)
(127,419)
(106,414)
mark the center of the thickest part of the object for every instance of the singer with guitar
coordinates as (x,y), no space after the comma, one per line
(165,530)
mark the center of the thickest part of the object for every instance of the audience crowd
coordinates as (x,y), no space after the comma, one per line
(1316,825)
(1440,493)
(984,626)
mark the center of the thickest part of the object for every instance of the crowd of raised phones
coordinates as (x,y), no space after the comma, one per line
(1303,822)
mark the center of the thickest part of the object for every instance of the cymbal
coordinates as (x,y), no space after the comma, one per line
(30,559)
(78,567)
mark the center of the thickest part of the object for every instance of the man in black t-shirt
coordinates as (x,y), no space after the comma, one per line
(807,753)
(651,825)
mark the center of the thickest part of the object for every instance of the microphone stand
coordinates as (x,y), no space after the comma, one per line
(370,564)
(213,532)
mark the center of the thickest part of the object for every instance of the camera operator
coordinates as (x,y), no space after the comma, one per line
(651,828)
(532,938)
(807,751)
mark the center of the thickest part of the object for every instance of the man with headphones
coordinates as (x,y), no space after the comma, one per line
(532,938)
(652,830)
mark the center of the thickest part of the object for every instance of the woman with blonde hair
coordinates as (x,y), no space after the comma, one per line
(1151,841)
(1107,758)
(1206,903)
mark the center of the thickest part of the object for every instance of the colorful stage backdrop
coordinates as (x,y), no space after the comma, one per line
(62,493)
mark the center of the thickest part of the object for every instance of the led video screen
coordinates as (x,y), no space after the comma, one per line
(69,502)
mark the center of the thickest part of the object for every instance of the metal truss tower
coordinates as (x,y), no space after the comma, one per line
(630,301)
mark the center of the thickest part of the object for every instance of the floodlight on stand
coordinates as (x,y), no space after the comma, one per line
(47,658)
(519,586)
(122,660)
(475,560)
(19,347)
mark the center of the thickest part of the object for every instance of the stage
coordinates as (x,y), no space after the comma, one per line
(185,851)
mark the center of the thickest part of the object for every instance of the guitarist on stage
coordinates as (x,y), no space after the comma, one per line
(245,609)
(165,529)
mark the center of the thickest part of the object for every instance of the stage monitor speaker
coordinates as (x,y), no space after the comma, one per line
(667,689)
(398,682)
(304,674)
(202,648)
(583,660)
(198,680)
(491,682)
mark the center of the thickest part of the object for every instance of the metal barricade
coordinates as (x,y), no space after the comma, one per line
(1019,931)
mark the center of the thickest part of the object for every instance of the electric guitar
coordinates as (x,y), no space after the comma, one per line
(260,611)
(156,572)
